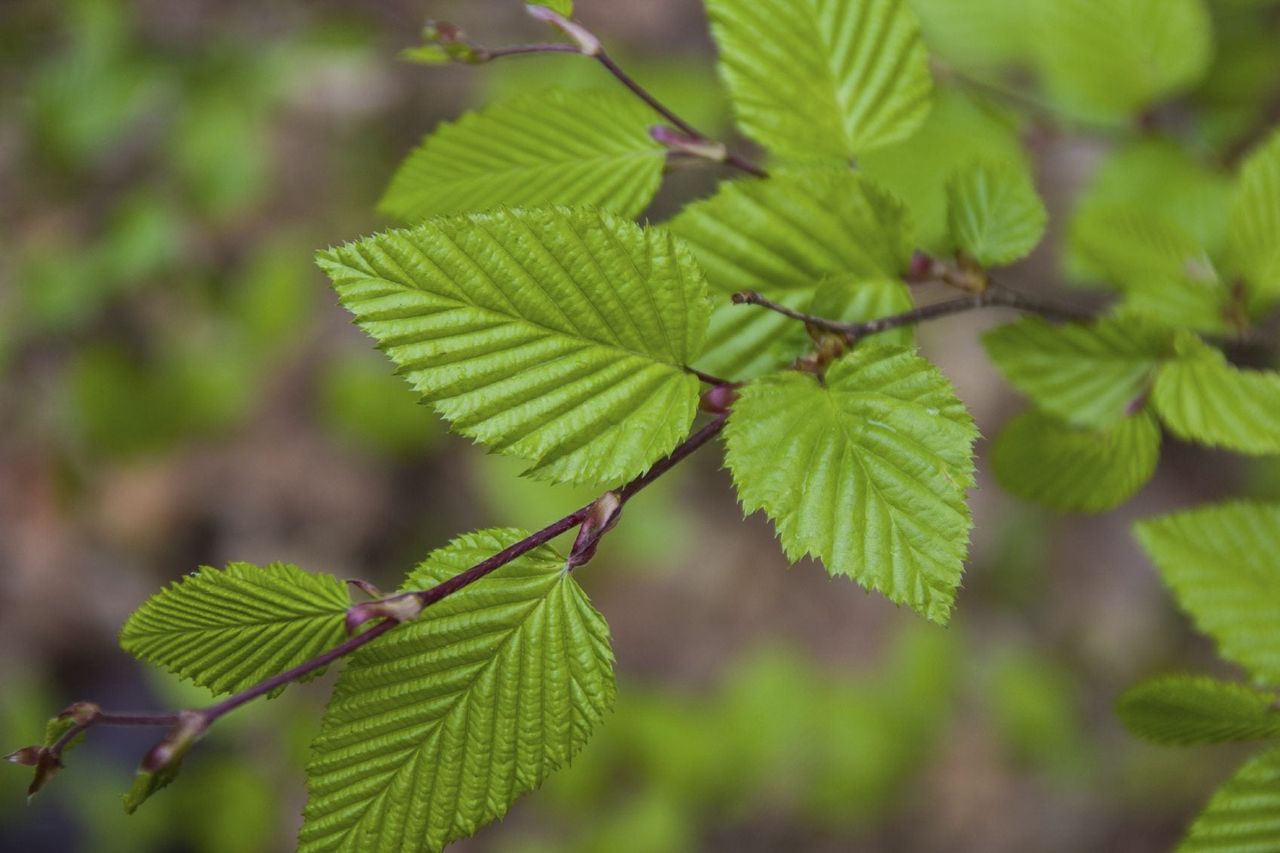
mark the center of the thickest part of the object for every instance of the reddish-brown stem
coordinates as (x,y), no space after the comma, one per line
(426,597)
(601,56)
(994,296)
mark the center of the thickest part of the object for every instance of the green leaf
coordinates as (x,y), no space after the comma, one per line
(557,335)
(976,34)
(1255,221)
(563,8)
(1162,269)
(1087,376)
(783,236)
(1188,709)
(566,147)
(1155,179)
(1039,458)
(1202,398)
(229,629)
(867,472)
(1108,59)
(1244,814)
(1223,565)
(995,214)
(146,783)
(823,79)
(436,728)
(917,170)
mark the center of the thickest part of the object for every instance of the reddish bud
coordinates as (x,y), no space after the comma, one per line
(718,399)
(399,608)
(604,514)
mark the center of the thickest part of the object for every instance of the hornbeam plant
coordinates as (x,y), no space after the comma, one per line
(525,303)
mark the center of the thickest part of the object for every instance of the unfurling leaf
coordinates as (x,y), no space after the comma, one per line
(995,214)
(435,729)
(229,629)
(1223,565)
(866,471)
(1088,376)
(557,147)
(783,237)
(1073,469)
(1187,709)
(823,79)
(1202,398)
(557,335)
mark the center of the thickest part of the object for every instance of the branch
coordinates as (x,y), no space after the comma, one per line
(689,140)
(993,296)
(386,614)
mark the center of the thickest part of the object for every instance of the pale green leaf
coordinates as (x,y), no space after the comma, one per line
(1085,375)
(229,629)
(1244,814)
(1223,565)
(1255,221)
(995,214)
(557,335)
(146,783)
(1188,709)
(1156,179)
(1039,458)
(1162,269)
(1202,398)
(436,728)
(565,147)
(866,471)
(782,237)
(976,34)
(1109,59)
(563,8)
(823,79)
(917,169)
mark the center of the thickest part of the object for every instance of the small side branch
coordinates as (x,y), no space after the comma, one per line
(385,614)
(688,140)
(993,296)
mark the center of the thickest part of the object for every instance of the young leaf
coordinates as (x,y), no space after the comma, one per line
(783,236)
(1244,814)
(958,131)
(867,472)
(1155,179)
(1188,709)
(1202,398)
(229,629)
(557,335)
(1086,376)
(566,147)
(1108,59)
(1039,458)
(995,214)
(1255,221)
(1162,269)
(1223,565)
(435,729)
(823,79)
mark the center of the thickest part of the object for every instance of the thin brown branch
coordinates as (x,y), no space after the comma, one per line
(993,296)
(704,145)
(88,715)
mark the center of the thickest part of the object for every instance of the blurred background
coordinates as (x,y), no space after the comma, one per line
(179,387)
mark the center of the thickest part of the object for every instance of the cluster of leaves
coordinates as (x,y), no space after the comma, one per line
(533,314)
(1223,565)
